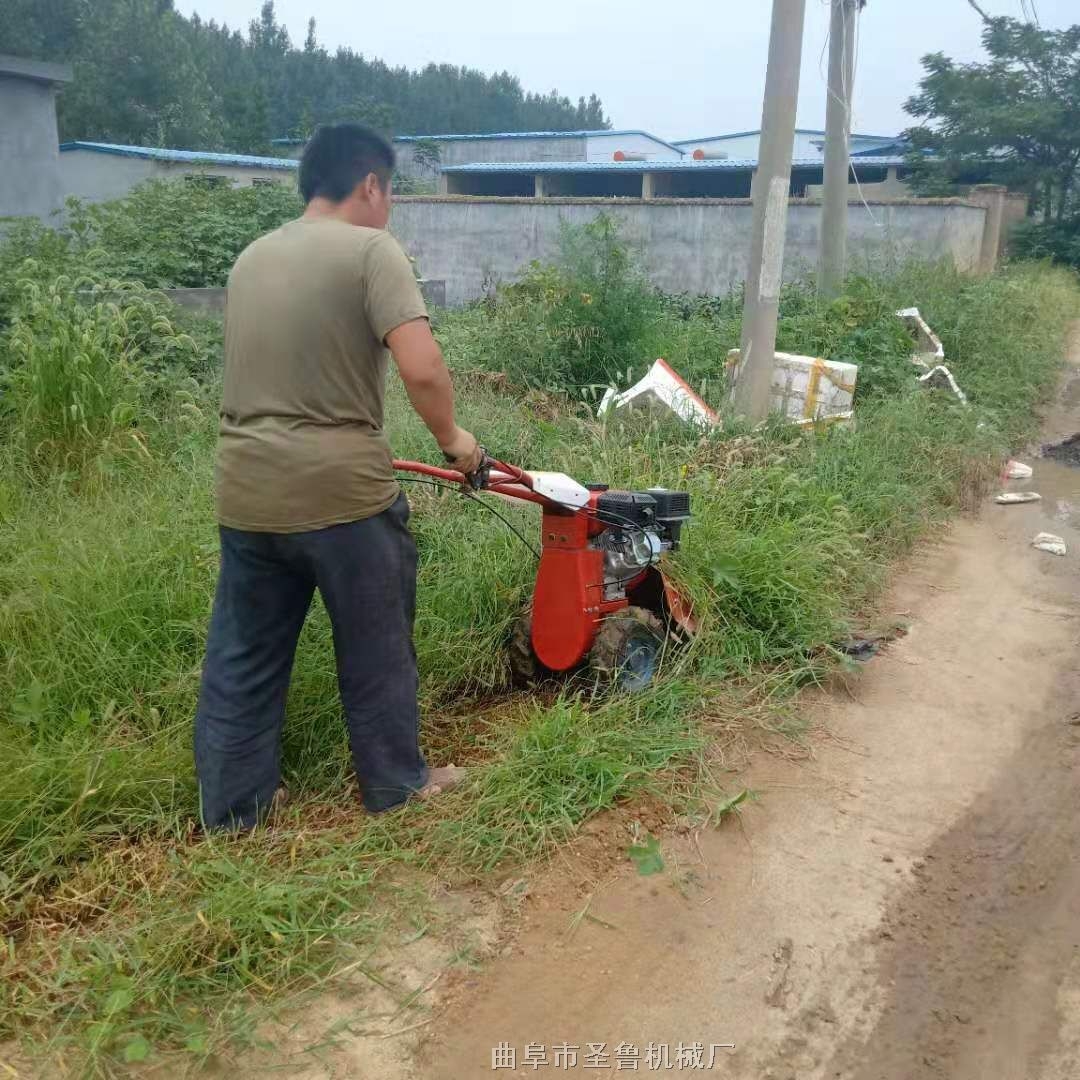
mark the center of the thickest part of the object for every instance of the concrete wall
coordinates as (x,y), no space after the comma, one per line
(97,177)
(240,176)
(695,246)
(29,167)
(211,301)
(94,176)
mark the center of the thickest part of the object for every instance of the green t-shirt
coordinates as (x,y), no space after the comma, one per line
(301,438)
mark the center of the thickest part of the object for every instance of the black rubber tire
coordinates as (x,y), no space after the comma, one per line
(525,666)
(627,648)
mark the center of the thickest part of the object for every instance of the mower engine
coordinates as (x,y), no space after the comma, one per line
(642,525)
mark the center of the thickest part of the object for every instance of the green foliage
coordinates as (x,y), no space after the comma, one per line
(164,233)
(181,234)
(647,857)
(147,75)
(1058,240)
(427,155)
(30,250)
(1014,118)
(586,321)
(87,364)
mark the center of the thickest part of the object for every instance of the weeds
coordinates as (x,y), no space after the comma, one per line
(90,364)
(132,937)
(591,319)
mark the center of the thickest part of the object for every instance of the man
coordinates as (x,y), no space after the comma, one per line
(306,496)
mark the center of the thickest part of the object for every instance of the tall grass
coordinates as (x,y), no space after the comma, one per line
(89,363)
(129,935)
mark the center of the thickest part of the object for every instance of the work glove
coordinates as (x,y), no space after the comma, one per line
(463,452)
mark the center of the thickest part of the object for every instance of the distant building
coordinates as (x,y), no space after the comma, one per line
(422,156)
(685,178)
(98,171)
(29,162)
(809,144)
(601,164)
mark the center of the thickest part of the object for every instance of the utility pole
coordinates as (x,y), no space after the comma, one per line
(833,262)
(772,183)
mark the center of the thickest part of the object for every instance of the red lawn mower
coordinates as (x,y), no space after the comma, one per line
(600,597)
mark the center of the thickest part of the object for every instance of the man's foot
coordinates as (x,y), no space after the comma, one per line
(440,781)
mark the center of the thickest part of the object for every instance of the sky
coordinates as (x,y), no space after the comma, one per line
(678,70)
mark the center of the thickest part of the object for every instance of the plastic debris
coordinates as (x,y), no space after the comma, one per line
(1008,498)
(662,386)
(942,378)
(1049,542)
(1017,470)
(929,352)
(865,647)
(861,649)
(807,389)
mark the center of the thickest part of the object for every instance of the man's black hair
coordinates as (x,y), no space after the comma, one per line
(340,156)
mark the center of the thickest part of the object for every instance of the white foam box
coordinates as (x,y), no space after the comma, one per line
(808,389)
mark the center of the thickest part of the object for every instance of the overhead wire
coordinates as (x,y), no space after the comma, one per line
(849,97)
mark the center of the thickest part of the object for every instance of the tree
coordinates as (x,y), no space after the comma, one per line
(427,156)
(47,29)
(138,80)
(1014,118)
(145,74)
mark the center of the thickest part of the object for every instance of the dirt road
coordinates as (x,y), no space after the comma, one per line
(904,905)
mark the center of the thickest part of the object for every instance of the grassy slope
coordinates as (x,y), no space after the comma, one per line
(105,582)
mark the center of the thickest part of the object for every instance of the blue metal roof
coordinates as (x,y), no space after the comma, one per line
(757,131)
(511,135)
(680,165)
(515,135)
(892,146)
(602,132)
(188,157)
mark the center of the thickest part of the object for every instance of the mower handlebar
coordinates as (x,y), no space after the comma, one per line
(494,476)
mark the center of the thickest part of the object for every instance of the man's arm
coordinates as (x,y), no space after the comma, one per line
(427,382)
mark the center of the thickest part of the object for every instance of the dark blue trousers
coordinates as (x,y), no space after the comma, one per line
(366,574)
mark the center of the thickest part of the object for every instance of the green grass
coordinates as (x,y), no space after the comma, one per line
(128,934)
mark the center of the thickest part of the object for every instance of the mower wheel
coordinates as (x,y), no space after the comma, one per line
(525,666)
(627,649)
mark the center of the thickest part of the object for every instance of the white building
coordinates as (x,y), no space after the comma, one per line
(99,171)
(415,153)
(809,144)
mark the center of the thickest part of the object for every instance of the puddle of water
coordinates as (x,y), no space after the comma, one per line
(1067,451)
(1059,486)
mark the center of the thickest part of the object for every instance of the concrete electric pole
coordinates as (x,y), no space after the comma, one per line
(833,264)
(772,183)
